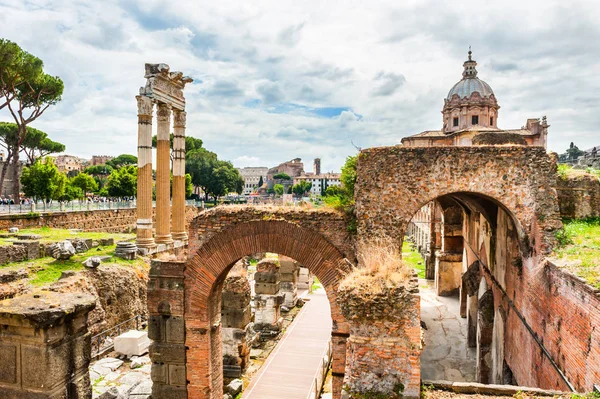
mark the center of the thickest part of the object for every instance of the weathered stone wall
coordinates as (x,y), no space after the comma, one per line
(385,340)
(579,196)
(110,221)
(45,346)
(395,182)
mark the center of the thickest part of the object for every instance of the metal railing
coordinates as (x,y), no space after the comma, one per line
(72,206)
(99,341)
(321,374)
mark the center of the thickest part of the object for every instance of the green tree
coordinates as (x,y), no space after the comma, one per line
(189,187)
(282,176)
(85,182)
(37,144)
(332,191)
(260,182)
(301,188)
(100,173)
(278,188)
(27,91)
(8,139)
(348,177)
(200,164)
(122,160)
(122,182)
(42,180)
(71,193)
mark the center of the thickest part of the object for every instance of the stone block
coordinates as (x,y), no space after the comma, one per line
(236,318)
(177,374)
(175,330)
(156,328)
(266,288)
(132,343)
(8,365)
(167,353)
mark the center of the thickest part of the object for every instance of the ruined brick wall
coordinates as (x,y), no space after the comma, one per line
(316,238)
(109,221)
(564,312)
(578,196)
(328,223)
(395,182)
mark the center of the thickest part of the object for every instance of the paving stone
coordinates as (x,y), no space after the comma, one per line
(137,362)
(142,391)
(234,387)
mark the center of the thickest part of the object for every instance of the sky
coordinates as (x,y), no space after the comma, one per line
(277,80)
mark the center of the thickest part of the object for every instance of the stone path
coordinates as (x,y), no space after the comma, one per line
(290,369)
(112,378)
(446,355)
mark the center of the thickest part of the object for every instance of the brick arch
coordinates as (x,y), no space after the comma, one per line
(206,271)
(394,182)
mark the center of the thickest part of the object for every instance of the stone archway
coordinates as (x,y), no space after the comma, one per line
(193,366)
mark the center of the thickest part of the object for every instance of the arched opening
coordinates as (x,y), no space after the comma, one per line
(469,246)
(205,276)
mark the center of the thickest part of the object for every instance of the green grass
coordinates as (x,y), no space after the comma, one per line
(50,234)
(579,245)
(316,284)
(413,258)
(47,270)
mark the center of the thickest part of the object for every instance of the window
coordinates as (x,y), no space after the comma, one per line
(491,121)
(475,120)
(455,122)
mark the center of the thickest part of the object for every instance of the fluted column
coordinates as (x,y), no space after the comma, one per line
(178,223)
(144,180)
(163,176)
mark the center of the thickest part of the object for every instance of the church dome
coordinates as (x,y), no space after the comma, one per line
(468,86)
(470,83)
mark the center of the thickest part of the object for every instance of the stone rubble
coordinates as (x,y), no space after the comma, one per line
(126,250)
(62,250)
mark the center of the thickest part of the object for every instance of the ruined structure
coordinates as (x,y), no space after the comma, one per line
(289,271)
(165,89)
(267,298)
(470,117)
(45,346)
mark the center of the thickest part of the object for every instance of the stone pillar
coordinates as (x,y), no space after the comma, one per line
(144,179)
(163,175)
(236,328)
(384,347)
(45,346)
(305,279)
(289,270)
(268,300)
(178,224)
(448,270)
(166,329)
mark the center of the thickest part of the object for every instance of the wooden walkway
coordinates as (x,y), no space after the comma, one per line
(290,370)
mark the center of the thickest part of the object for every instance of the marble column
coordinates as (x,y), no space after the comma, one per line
(144,181)
(178,223)
(163,175)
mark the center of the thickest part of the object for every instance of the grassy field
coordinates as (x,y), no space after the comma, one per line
(413,258)
(579,245)
(47,270)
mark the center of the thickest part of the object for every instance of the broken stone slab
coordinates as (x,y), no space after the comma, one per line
(107,241)
(29,236)
(92,262)
(8,276)
(106,365)
(142,391)
(137,362)
(112,393)
(81,245)
(234,387)
(132,343)
(227,396)
(13,230)
(62,250)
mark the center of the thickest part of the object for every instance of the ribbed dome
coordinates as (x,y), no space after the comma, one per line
(468,86)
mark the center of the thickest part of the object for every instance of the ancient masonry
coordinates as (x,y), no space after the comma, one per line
(165,89)
(268,299)
(45,346)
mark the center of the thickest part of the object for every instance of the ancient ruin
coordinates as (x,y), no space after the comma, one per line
(165,89)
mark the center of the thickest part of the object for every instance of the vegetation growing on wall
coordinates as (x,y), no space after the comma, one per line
(342,198)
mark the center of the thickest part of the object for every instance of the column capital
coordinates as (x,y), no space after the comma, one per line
(145,105)
(164,112)
(179,118)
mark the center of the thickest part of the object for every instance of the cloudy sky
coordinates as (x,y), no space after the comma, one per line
(285,79)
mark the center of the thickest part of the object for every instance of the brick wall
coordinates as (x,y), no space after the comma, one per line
(579,196)
(395,182)
(110,221)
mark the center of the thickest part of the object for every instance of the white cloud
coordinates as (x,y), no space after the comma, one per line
(245,160)
(387,67)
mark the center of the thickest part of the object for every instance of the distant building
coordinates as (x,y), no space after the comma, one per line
(320,182)
(252,176)
(292,168)
(470,117)
(100,159)
(68,163)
